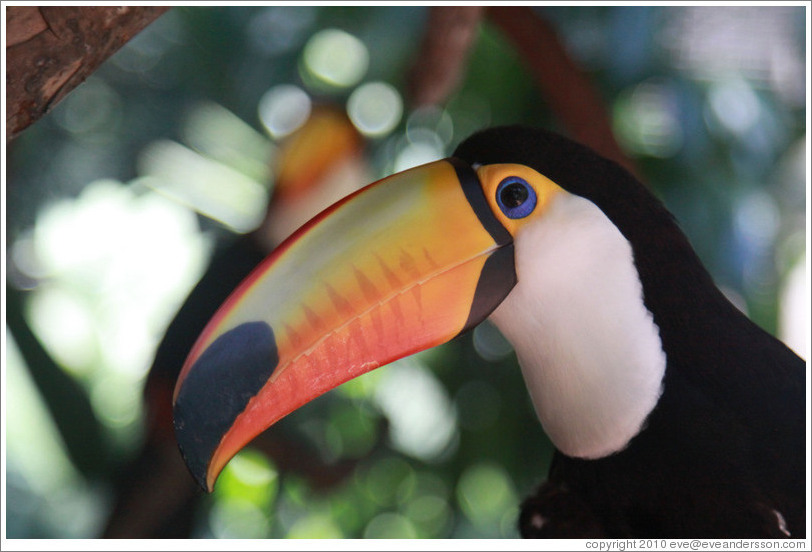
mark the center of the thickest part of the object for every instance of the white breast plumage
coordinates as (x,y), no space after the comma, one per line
(589,349)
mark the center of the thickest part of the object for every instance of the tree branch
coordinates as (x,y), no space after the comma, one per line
(443,56)
(439,67)
(51,50)
(565,86)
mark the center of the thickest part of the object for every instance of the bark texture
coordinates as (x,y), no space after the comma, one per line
(51,50)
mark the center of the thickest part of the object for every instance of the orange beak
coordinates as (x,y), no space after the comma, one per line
(400,266)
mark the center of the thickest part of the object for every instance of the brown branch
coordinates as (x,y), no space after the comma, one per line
(443,55)
(449,36)
(51,50)
(566,88)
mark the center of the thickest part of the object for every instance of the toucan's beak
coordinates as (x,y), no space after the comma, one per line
(402,265)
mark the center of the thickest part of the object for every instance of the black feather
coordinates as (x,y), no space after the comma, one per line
(723,454)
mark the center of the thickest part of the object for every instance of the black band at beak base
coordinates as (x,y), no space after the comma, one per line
(499,272)
(472,189)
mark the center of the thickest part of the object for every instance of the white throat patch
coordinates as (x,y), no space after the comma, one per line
(590,352)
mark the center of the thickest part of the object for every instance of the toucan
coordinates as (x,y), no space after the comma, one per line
(672,414)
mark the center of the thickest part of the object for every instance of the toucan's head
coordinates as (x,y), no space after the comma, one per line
(402,265)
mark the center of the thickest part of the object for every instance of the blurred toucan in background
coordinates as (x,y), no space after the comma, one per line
(316,165)
(673,415)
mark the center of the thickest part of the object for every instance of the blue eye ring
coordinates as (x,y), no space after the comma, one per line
(515,197)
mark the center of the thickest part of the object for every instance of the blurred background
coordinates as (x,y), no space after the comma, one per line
(215,131)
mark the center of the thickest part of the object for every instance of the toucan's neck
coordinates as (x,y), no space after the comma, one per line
(589,349)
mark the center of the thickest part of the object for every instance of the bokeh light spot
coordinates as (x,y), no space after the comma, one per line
(283,109)
(490,343)
(390,526)
(251,477)
(214,131)
(93,107)
(429,513)
(485,492)
(646,120)
(234,518)
(207,186)
(375,108)
(32,440)
(432,118)
(315,526)
(757,219)
(336,58)
(414,155)
(23,261)
(422,418)
(252,469)
(116,400)
(354,429)
(735,105)
(64,321)
(385,478)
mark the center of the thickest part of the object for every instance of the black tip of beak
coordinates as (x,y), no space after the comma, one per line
(217,389)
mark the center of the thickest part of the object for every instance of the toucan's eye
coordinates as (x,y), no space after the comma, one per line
(515,197)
